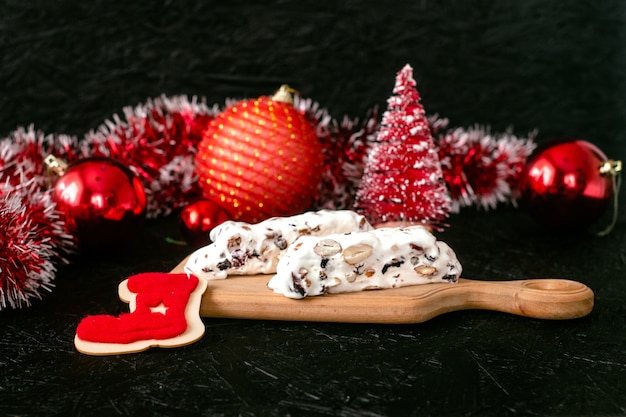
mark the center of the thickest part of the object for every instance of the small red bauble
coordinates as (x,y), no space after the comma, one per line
(563,186)
(198,218)
(103,201)
(260,158)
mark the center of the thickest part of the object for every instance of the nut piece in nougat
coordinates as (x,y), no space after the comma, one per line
(239,248)
(375,259)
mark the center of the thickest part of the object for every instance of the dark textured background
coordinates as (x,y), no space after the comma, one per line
(553,66)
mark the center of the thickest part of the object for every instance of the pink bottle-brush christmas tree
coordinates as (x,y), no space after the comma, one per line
(403,180)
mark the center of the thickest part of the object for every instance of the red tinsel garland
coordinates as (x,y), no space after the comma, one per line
(345,146)
(34,239)
(157,140)
(22,154)
(480,168)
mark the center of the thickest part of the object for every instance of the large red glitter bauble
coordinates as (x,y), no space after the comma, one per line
(260,158)
(198,218)
(104,203)
(562,186)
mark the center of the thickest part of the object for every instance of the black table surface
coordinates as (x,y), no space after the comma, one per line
(552,66)
(462,363)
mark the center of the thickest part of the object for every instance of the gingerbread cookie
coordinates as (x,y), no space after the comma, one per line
(164,312)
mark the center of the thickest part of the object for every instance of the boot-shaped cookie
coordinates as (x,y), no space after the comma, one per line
(164,312)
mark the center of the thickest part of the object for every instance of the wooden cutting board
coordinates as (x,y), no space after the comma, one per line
(247,297)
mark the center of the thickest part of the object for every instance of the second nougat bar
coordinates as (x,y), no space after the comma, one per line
(376,259)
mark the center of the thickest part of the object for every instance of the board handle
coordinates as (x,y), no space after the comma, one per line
(555,299)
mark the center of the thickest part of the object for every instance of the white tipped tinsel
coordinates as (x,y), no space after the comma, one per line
(34,240)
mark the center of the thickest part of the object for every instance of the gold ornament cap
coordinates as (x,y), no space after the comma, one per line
(285,94)
(611,167)
(55,168)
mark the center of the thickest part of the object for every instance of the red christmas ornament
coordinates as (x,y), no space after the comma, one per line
(198,218)
(567,184)
(104,203)
(260,158)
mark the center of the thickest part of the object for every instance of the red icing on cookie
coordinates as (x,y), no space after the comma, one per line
(159,311)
